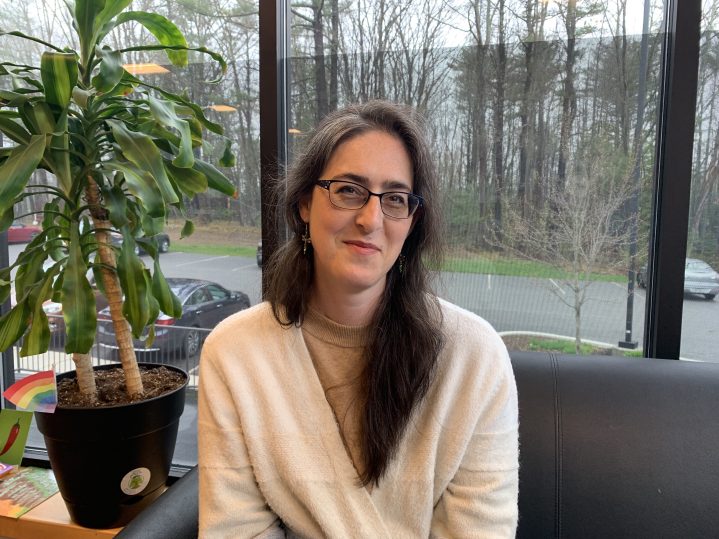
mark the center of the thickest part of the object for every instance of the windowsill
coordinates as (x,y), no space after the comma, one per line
(49,519)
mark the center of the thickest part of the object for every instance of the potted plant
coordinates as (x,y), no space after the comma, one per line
(122,152)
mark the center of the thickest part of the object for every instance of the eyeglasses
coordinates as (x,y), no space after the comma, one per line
(353,196)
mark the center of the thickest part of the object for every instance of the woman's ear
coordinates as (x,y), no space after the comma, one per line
(305,205)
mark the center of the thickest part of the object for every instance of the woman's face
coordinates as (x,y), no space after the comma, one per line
(354,249)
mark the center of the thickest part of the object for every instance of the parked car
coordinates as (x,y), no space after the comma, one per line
(162,241)
(204,305)
(22,233)
(259,253)
(699,278)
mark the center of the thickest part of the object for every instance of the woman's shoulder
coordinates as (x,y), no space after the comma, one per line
(458,322)
(248,323)
(471,344)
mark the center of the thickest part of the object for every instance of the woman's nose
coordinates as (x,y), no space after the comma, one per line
(370,215)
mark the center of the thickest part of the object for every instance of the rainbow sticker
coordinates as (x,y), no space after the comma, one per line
(36,392)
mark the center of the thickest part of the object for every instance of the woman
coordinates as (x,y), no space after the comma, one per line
(354,403)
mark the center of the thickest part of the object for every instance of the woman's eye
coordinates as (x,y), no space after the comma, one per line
(396,199)
(347,190)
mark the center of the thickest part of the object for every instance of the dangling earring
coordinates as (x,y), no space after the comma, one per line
(400,266)
(306,239)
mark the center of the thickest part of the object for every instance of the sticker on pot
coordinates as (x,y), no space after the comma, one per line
(135,481)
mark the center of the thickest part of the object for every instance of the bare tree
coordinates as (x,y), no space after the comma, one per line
(587,234)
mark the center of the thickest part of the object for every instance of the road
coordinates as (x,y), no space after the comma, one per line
(509,303)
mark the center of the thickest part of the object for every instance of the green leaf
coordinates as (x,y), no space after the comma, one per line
(151,226)
(103,22)
(13,325)
(134,284)
(5,284)
(17,169)
(31,38)
(78,301)
(85,16)
(140,150)
(13,129)
(59,76)
(29,270)
(116,202)
(215,179)
(6,218)
(164,112)
(53,245)
(187,229)
(164,31)
(169,302)
(228,158)
(111,70)
(194,108)
(188,180)
(37,117)
(13,99)
(140,184)
(37,339)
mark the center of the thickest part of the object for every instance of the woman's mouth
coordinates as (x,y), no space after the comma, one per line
(362,247)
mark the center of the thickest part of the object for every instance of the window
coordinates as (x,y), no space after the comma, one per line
(543,118)
(217,293)
(700,313)
(198,297)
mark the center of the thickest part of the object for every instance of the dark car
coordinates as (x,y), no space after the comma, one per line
(699,278)
(204,305)
(259,253)
(162,241)
(21,233)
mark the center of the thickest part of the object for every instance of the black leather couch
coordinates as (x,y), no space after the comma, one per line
(609,447)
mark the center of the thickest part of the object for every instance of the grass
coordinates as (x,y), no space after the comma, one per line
(515,267)
(217,250)
(563,346)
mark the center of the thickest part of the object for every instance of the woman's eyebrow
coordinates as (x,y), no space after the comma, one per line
(364,181)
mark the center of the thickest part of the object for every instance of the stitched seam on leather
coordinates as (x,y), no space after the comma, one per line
(558,447)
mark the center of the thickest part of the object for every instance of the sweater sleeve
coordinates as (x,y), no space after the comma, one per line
(481,498)
(231,504)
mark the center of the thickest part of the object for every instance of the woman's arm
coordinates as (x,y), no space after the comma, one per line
(231,504)
(481,498)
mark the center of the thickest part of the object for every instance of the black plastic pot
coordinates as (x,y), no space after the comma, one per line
(111,462)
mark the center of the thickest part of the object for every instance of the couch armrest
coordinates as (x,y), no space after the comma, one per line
(174,514)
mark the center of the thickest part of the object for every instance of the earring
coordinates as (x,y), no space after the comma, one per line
(402,260)
(306,239)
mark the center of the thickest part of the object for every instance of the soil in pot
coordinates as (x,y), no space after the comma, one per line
(111,388)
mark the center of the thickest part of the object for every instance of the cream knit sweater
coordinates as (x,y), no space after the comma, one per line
(270,450)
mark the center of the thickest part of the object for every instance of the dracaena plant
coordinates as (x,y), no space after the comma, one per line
(121,153)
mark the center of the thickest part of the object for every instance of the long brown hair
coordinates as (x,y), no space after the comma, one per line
(405,337)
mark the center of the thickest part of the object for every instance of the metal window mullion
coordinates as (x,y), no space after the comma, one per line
(672,180)
(274,36)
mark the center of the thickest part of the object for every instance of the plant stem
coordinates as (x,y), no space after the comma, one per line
(85,377)
(113,292)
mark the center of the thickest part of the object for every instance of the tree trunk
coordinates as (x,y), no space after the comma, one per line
(113,292)
(319,53)
(569,98)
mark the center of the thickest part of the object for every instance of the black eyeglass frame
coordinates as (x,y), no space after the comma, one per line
(325,184)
